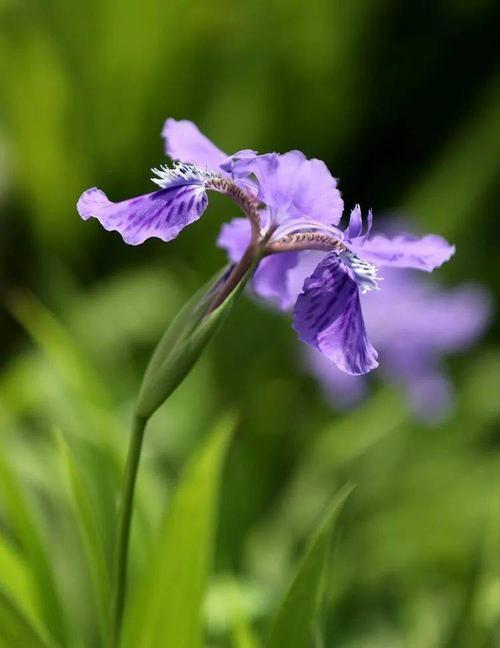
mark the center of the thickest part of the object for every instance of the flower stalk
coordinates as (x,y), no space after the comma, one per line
(237,274)
(168,367)
(123,529)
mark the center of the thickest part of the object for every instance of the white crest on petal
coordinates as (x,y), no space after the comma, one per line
(366,273)
(181,174)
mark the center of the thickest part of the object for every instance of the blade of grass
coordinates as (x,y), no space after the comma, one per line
(27,531)
(16,631)
(100,428)
(293,625)
(242,633)
(15,578)
(86,519)
(54,340)
(77,375)
(168,611)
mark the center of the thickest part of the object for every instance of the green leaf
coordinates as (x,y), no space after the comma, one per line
(27,532)
(15,578)
(168,608)
(91,538)
(16,630)
(84,384)
(182,344)
(231,606)
(293,625)
(242,634)
(52,337)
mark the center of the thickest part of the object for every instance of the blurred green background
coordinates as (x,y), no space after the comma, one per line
(402,100)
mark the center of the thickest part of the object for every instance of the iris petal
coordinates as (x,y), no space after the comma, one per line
(270,281)
(406,251)
(184,142)
(294,187)
(328,316)
(161,214)
(235,237)
(355,226)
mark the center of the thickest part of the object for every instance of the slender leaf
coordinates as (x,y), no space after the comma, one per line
(242,633)
(231,606)
(16,579)
(55,341)
(16,630)
(89,531)
(293,625)
(26,529)
(168,611)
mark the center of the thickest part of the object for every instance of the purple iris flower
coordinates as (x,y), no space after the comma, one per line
(414,324)
(293,210)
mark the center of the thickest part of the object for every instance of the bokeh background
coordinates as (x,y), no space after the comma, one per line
(402,100)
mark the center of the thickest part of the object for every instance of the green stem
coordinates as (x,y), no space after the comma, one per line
(123,529)
(235,277)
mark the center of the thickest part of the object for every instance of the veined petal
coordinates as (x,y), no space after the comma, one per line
(305,266)
(328,317)
(405,251)
(184,142)
(293,186)
(161,214)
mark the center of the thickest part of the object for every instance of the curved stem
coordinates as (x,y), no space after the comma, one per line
(123,529)
(248,202)
(251,257)
(234,278)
